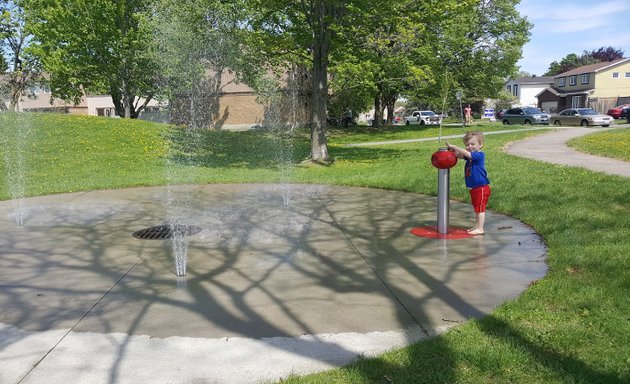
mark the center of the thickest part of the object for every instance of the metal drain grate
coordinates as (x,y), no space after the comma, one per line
(162,232)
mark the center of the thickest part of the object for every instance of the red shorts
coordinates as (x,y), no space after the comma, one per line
(479,198)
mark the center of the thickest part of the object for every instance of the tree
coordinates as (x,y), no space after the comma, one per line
(352,88)
(468,45)
(303,32)
(479,46)
(96,46)
(197,41)
(605,54)
(392,41)
(23,68)
(568,63)
(572,60)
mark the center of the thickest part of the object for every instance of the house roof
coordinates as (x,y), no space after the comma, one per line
(593,67)
(559,93)
(535,80)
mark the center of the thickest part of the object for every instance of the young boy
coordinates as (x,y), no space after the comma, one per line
(475,176)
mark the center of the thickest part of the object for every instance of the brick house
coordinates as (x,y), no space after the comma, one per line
(239,107)
(600,86)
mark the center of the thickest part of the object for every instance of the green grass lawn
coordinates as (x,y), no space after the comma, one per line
(573,326)
(614,143)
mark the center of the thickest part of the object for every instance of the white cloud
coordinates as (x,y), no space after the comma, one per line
(572,26)
(569,9)
(572,16)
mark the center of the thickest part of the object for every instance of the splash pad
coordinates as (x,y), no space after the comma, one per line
(309,285)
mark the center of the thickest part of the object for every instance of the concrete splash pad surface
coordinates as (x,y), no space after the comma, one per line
(282,279)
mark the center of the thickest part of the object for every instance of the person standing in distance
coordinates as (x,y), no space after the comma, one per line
(467,115)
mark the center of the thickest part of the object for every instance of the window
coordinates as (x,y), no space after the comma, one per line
(515,90)
(109,112)
(627,74)
(39,88)
(615,75)
(572,80)
(561,82)
(509,89)
(585,78)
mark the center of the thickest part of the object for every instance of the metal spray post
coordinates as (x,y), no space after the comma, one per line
(443,160)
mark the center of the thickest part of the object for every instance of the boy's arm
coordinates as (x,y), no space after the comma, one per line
(460,152)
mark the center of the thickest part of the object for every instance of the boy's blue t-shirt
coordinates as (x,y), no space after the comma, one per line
(475,170)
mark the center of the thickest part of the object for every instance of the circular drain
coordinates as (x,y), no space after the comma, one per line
(162,232)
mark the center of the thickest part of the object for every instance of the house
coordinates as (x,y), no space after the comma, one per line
(239,107)
(526,89)
(600,86)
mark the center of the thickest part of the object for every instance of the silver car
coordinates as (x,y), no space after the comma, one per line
(524,115)
(581,116)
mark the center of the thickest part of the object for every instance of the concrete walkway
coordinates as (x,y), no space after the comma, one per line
(551,147)
(281,280)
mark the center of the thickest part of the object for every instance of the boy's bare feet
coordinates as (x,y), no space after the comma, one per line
(476,231)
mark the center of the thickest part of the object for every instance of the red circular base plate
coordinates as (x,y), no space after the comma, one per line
(431,232)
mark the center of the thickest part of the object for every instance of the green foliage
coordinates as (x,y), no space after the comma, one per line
(504,100)
(390,41)
(197,43)
(95,46)
(22,68)
(352,86)
(572,60)
(472,47)
(569,62)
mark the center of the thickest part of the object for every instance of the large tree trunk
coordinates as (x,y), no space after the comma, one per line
(378,111)
(320,18)
(390,104)
(127,105)
(319,95)
(17,79)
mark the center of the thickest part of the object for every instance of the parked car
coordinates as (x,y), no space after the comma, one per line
(619,112)
(423,118)
(525,115)
(581,116)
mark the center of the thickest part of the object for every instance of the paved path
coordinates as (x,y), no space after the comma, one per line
(551,147)
(375,143)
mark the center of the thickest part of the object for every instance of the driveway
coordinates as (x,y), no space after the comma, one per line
(552,148)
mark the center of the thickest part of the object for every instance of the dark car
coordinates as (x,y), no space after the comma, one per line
(525,115)
(619,112)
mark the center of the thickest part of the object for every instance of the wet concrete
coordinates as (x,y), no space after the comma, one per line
(281,279)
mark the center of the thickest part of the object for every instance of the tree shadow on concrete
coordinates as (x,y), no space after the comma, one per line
(71,259)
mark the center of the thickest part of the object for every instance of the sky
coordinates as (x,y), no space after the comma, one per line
(572,26)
